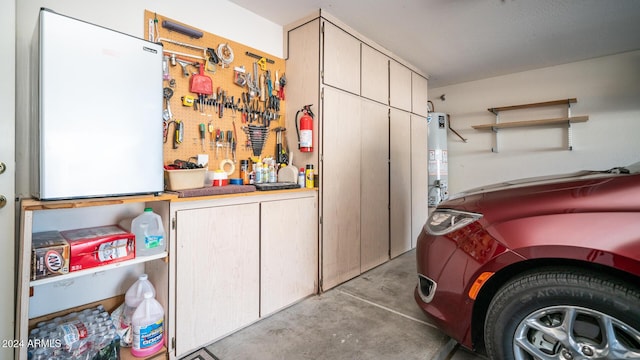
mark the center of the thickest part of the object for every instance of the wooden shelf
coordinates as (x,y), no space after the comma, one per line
(567,120)
(125,354)
(527,123)
(33,204)
(534,105)
(97,269)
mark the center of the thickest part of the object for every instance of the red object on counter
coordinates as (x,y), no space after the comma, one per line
(220,182)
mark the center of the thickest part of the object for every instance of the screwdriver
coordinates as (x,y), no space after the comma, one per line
(229,141)
(202,135)
(217,142)
(211,134)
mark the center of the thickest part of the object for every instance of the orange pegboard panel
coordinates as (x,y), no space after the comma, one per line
(183,54)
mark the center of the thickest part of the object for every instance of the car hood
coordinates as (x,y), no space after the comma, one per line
(540,180)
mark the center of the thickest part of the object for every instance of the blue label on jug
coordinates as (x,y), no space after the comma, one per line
(148,336)
(152,241)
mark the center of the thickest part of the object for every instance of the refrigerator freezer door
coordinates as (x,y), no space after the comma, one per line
(100,111)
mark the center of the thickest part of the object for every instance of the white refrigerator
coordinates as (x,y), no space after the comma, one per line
(97,103)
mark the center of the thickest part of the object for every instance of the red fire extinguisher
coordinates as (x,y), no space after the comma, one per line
(305,132)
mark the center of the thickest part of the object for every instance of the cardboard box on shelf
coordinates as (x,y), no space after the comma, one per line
(49,254)
(100,245)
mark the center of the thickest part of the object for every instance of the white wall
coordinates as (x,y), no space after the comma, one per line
(7,183)
(219,17)
(607,89)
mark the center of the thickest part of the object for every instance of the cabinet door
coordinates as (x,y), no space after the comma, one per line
(303,85)
(340,181)
(341,55)
(374,195)
(217,273)
(400,181)
(375,75)
(419,95)
(399,86)
(288,252)
(419,171)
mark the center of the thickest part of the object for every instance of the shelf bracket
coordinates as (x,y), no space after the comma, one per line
(569,131)
(494,148)
(496,145)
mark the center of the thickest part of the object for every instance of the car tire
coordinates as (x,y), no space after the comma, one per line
(529,317)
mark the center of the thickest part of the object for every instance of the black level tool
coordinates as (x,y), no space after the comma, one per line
(259,57)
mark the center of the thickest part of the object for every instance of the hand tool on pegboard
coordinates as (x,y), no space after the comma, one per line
(283,82)
(201,84)
(281,154)
(178,134)
(212,135)
(235,142)
(256,56)
(258,135)
(201,127)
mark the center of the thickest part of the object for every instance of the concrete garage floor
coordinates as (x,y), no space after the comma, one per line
(372,316)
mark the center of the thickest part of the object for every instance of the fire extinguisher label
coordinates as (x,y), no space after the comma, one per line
(306,138)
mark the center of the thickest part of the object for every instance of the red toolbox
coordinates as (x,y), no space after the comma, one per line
(98,246)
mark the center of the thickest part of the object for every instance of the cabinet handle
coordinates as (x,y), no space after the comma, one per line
(3,201)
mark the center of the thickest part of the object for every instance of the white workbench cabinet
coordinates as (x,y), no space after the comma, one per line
(288,252)
(217,274)
(239,258)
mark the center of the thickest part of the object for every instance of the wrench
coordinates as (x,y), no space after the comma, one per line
(167,94)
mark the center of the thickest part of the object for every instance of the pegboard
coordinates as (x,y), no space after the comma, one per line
(223,78)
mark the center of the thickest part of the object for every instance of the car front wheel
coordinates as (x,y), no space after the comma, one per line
(565,314)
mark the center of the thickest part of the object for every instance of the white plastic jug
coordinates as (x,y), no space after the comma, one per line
(148,327)
(135,294)
(132,299)
(149,232)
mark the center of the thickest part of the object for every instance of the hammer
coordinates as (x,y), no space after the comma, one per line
(281,155)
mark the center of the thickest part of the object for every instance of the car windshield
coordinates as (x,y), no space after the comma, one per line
(634,168)
(630,169)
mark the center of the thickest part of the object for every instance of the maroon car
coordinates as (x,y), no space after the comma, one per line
(545,268)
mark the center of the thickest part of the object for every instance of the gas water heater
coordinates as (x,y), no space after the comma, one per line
(438,172)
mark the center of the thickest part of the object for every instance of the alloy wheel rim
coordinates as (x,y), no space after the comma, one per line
(574,333)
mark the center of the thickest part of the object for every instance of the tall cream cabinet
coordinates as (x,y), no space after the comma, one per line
(419,173)
(374,185)
(362,158)
(400,188)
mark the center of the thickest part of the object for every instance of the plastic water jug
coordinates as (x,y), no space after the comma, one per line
(135,294)
(149,232)
(148,327)
(132,299)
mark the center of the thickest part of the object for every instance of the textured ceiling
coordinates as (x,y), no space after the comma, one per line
(455,41)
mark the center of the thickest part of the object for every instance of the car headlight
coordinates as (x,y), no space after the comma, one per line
(444,221)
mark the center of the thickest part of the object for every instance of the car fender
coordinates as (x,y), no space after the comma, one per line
(603,238)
